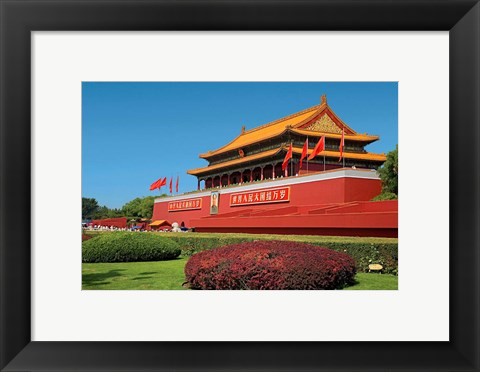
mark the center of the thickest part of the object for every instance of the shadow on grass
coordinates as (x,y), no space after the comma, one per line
(354,283)
(142,277)
(100,278)
(173,259)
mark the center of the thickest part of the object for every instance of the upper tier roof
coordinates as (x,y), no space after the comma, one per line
(315,121)
(296,150)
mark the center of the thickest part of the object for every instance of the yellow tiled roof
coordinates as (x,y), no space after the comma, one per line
(266,131)
(356,137)
(296,150)
(292,122)
(159,223)
(245,159)
(348,155)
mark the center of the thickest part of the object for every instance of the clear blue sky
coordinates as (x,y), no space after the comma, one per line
(135,133)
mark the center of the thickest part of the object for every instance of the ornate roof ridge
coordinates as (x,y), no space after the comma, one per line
(360,136)
(291,116)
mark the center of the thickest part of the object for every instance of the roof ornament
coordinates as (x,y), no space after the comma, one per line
(243,129)
(323,99)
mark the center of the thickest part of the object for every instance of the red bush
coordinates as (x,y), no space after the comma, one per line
(85,237)
(270,265)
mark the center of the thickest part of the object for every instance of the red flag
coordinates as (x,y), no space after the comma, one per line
(342,143)
(304,152)
(162,183)
(171,184)
(319,147)
(287,157)
(176,184)
(154,185)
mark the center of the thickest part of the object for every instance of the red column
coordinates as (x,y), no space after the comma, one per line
(228,182)
(251,175)
(261,173)
(273,171)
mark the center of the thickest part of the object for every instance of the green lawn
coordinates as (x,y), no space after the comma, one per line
(169,275)
(134,275)
(371,281)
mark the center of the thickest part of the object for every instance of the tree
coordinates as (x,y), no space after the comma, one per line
(132,208)
(140,207)
(389,175)
(89,207)
(146,207)
(105,212)
(100,213)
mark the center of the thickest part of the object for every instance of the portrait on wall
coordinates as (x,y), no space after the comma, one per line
(214,202)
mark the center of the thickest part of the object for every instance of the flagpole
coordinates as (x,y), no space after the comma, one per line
(291,162)
(307,154)
(291,166)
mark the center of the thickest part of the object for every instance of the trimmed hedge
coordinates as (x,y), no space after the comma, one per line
(129,247)
(364,250)
(270,265)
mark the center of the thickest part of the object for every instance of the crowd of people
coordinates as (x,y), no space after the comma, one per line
(92,227)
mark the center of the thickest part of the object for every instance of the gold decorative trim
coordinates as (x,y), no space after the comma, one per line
(324,124)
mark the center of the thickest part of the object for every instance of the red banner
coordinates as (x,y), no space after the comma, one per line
(183,205)
(274,195)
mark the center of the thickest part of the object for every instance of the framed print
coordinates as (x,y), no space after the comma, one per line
(53,50)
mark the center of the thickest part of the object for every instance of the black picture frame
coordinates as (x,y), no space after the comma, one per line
(18,18)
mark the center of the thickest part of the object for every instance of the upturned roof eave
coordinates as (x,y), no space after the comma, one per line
(379,158)
(357,137)
(246,159)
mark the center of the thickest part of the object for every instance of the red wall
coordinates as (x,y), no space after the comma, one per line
(349,219)
(359,189)
(337,190)
(120,222)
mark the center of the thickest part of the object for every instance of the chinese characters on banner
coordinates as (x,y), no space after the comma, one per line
(276,195)
(183,205)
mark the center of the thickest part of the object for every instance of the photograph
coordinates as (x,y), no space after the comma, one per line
(213,202)
(235,170)
(240,185)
